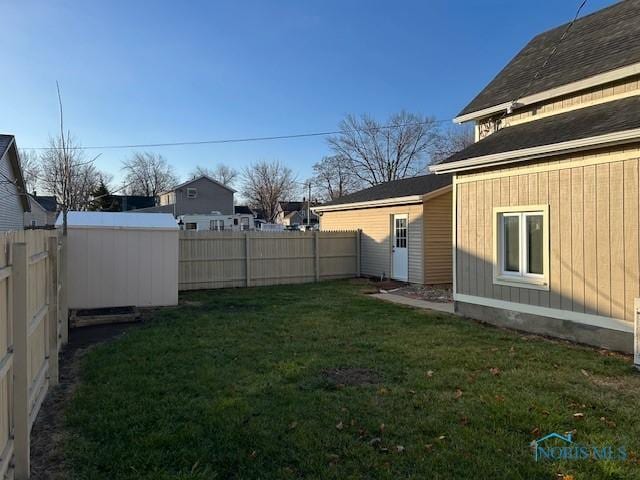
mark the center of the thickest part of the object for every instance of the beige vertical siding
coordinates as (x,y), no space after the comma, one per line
(375,224)
(593,225)
(122,267)
(438,258)
(584,98)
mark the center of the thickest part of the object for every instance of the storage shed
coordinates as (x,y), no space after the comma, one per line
(118,259)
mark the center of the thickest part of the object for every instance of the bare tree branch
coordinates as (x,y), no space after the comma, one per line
(265,184)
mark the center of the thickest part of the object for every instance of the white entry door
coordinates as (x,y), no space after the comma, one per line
(400,250)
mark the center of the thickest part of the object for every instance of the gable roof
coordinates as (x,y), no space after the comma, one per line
(597,43)
(593,125)
(406,187)
(8,147)
(189,182)
(47,202)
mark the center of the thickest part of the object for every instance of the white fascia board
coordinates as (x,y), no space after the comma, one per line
(566,89)
(541,151)
(372,203)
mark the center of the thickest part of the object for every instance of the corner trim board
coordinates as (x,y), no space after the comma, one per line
(583,318)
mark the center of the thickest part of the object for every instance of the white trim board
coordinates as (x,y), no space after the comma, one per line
(577,317)
(541,151)
(568,88)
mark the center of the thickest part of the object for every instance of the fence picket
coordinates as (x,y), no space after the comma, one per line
(241,259)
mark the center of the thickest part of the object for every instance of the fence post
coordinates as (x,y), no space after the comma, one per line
(247,256)
(63,299)
(358,238)
(316,248)
(53,309)
(19,279)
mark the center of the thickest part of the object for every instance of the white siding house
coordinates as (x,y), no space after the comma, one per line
(13,199)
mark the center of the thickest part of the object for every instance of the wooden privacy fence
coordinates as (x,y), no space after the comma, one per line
(244,259)
(32,331)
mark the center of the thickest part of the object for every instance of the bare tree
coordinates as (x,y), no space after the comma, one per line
(334,177)
(265,184)
(452,140)
(148,174)
(222,173)
(67,174)
(383,152)
(31,169)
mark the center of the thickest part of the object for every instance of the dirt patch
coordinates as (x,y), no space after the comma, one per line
(352,376)
(48,435)
(426,292)
(627,384)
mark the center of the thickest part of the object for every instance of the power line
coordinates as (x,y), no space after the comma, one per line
(241,139)
(552,53)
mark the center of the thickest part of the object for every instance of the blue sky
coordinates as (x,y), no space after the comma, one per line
(147,72)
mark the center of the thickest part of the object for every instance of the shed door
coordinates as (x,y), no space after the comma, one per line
(400,250)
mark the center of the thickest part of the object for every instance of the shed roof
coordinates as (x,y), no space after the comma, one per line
(597,43)
(124,220)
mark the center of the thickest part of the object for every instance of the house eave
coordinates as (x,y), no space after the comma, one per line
(385,202)
(541,151)
(566,89)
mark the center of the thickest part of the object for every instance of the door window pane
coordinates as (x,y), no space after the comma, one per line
(401,232)
(511,226)
(535,248)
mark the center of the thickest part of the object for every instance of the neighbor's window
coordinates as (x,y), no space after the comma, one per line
(244,223)
(191,226)
(192,192)
(522,246)
(217,225)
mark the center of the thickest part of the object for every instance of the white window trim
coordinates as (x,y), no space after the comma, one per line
(520,279)
(192,192)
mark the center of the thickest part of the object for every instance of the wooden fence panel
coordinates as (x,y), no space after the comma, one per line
(241,259)
(30,329)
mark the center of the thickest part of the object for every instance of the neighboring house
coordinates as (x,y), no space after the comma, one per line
(14,201)
(546,201)
(217,222)
(295,213)
(44,210)
(202,195)
(125,203)
(406,228)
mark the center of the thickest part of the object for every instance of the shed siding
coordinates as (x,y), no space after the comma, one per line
(11,211)
(593,225)
(375,224)
(438,257)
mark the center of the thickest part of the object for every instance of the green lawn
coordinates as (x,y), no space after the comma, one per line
(233,384)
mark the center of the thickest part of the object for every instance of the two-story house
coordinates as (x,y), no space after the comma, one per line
(546,202)
(201,195)
(14,201)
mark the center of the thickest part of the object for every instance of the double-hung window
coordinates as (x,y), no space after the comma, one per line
(521,255)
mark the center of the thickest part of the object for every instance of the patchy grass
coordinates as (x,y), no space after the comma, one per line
(247,384)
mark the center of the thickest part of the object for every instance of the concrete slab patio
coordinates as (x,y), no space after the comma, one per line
(413,302)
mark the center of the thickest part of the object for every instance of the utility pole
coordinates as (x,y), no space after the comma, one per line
(309,204)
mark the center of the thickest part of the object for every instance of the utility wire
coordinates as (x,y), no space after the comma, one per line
(525,91)
(241,139)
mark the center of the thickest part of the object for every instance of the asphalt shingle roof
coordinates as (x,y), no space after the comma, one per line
(616,116)
(597,43)
(397,188)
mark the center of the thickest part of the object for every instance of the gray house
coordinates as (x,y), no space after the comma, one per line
(202,195)
(14,201)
